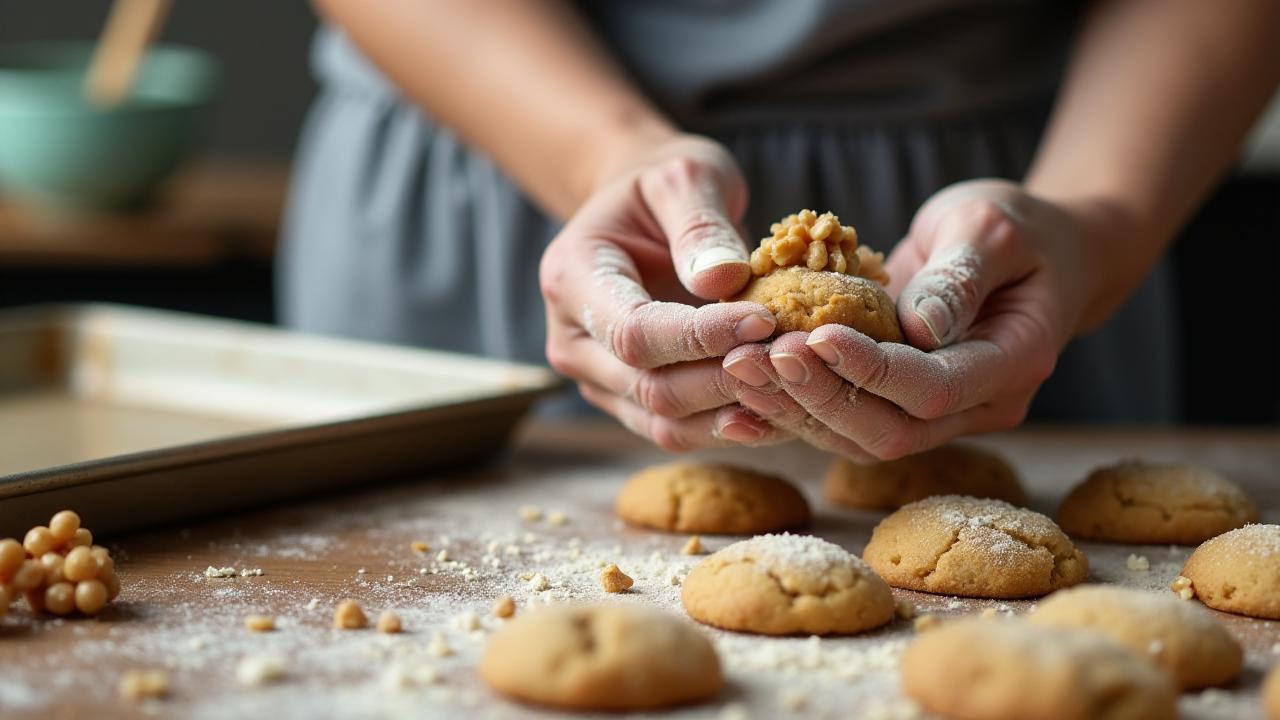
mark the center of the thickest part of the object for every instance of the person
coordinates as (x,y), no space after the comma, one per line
(464,159)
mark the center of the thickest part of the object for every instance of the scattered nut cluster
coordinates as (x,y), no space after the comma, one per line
(1183,587)
(819,242)
(58,569)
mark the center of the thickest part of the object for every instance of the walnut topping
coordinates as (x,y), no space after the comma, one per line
(1182,586)
(819,242)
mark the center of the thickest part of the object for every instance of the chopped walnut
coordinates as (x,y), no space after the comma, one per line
(349,616)
(504,607)
(260,623)
(1182,586)
(141,684)
(389,622)
(614,580)
(925,623)
(419,547)
(693,547)
(819,242)
(904,609)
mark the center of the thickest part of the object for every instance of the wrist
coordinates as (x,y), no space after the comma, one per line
(618,145)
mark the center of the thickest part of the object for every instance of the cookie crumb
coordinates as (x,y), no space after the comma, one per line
(693,547)
(349,616)
(389,622)
(904,609)
(467,621)
(557,518)
(530,513)
(438,646)
(926,622)
(251,572)
(504,607)
(614,580)
(142,684)
(260,623)
(442,556)
(260,670)
(1182,586)
(419,547)
(216,572)
(1138,563)
(538,582)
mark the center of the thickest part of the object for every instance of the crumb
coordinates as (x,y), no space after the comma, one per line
(538,582)
(1182,586)
(260,623)
(675,579)
(419,547)
(214,572)
(442,556)
(142,684)
(557,518)
(400,677)
(693,547)
(904,609)
(251,572)
(530,513)
(467,621)
(389,622)
(260,670)
(438,646)
(504,607)
(614,580)
(349,616)
(1138,563)
(926,622)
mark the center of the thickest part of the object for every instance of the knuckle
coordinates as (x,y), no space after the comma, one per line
(889,443)
(940,398)
(680,169)
(653,392)
(627,341)
(665,436)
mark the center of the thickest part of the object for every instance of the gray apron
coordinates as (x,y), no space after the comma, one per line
(397,231)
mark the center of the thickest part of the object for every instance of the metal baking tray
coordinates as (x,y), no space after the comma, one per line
(135,417)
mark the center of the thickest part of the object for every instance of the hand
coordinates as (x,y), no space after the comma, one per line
(991,283)
(621,284)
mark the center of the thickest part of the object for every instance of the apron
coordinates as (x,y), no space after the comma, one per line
(396,231)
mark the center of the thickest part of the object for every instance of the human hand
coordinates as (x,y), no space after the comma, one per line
(990,282)
(623,282)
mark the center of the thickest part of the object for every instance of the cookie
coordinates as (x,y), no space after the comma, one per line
(786,585)
(1178,637)
(947,470)
(1239,571)
(804,299)
(974,547)
(1012,670)
(601,657)
(1141,502)
(1271,694)
(694,497)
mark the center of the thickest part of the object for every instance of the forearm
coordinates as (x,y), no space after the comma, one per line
(1158,96)
(524,81)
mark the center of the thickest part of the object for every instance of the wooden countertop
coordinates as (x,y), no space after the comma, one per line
(358,545)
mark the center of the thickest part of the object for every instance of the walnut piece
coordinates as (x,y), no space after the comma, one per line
(819,242)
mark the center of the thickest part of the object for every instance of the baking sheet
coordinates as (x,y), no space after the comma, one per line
(142,416)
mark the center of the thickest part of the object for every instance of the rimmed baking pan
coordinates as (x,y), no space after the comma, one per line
(135,417)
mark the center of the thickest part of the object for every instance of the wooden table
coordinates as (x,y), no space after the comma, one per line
(358,545)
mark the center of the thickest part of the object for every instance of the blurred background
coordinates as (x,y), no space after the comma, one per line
(205,242)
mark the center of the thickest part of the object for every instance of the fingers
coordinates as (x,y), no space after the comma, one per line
(712,428)
(688,198)
(973,251)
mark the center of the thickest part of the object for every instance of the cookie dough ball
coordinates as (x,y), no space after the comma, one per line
(974,547)
(1179,637)
(601,657)
(947,470)
(804,299)
(1239,571)
(1271,694)
(1140,502)
(694,497)
(785,585)
(1011,670)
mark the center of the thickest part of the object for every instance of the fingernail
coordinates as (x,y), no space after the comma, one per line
(747,371)
(740,432)
(753,327)
(715,257)
(790,367)
(936,316)
(823,349)
(760,404)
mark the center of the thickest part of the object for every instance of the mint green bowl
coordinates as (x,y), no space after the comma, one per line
(58,152)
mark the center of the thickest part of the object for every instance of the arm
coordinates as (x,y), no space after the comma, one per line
(1000,276)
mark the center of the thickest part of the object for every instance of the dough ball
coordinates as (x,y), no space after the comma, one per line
(1012,670)
(786,585)
(601,657)
(947,470)
(1271,694)
(804,299)
(1141,502)
(1180,637)
(957,545)
(695,497)
(1239,571)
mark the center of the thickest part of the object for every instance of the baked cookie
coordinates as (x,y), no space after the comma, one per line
(1179,637)
(786,585)
(698,497)
(1271,694)
(1239,571)
(601,657)
(947,470)
(958,545)
(1141,502)
(1012,670)
(811,272)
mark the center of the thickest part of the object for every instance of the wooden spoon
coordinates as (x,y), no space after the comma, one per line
(131,26)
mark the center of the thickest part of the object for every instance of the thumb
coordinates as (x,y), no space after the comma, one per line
(697,205)
(974,251)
